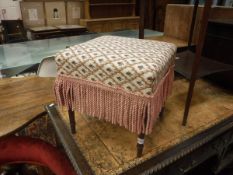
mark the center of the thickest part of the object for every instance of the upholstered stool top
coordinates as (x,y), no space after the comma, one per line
(135,65)
(118,79)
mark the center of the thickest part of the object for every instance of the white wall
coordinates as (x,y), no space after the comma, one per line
(11,9)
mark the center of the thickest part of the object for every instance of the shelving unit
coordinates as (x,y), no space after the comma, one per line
(107,4)
(110,15)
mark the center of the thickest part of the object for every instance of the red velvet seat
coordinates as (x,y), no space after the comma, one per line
(15,149)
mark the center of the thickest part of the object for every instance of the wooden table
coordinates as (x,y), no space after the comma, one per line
(56,31)
(44,32)
(22,101)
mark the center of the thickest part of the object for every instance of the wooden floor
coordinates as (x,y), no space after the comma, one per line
(111,149)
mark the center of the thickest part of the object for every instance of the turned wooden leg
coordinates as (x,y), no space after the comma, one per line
(140,144)
(72,121)
(161,113)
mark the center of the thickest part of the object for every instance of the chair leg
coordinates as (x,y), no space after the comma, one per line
(140,144)
(161,113)
(72,120)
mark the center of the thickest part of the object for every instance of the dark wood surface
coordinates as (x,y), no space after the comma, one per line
(22,101)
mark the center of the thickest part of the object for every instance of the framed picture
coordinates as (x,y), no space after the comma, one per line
(55,13)
(32,14)
(74,12)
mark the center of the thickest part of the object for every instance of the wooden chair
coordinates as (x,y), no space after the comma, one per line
(47,67)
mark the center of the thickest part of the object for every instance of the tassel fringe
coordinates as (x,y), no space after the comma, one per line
(136,113)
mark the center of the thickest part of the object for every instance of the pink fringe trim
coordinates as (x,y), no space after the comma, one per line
(136,113)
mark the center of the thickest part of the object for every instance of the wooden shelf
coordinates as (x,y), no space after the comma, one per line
(110,15)
(112,19)
(207,66)
(110,24)
(110,4)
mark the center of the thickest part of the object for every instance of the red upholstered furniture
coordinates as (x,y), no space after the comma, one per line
(15,149)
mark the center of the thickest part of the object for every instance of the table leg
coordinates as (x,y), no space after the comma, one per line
(140,144)
(72,120)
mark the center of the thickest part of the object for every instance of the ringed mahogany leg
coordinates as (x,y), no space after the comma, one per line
(161,112)
(72,120)
(140,144)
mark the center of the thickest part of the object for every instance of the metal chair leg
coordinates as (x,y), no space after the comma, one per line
(72,121)
(140,144)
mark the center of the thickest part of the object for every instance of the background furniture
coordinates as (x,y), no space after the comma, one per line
(57,31)
(47,68)
(156,11)
(22,101)
(207,66)
(109,15)
(42,13)
(70,30)
(45,32)
(1,34)
(218,47)
(178,19)
(201,66)
(16,62)
(13,31)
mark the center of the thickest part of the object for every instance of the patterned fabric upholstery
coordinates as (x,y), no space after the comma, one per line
(132,64)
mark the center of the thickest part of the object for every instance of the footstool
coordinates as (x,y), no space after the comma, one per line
(121,80)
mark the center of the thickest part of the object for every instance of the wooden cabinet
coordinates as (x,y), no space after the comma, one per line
(110,15)
(218,46)
(110,24)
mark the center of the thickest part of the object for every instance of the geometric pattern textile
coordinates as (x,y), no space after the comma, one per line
(131,64)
